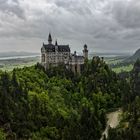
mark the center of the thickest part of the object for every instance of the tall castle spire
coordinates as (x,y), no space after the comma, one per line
(56,44)
(50,39)
(85,52)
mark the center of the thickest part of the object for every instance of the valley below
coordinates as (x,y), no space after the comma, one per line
(115,61)
(9,63)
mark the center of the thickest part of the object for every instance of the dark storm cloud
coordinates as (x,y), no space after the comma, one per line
(102,24)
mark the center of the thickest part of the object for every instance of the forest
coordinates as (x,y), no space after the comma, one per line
(58,105)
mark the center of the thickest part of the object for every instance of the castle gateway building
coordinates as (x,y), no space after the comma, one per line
(53,55)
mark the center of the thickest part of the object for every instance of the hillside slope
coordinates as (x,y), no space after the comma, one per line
(134,57)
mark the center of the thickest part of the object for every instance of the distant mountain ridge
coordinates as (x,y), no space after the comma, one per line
(134,57)
(12,54)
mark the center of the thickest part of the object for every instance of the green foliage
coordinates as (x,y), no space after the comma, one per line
(47,133)
(56,104)
(2,135)
(130,125)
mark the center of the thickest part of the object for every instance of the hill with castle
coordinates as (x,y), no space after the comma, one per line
(68,97)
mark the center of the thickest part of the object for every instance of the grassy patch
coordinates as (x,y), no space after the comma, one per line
(123,69)
(9,65)
(118,65)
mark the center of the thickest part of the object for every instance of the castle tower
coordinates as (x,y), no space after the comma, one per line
(50,39)
(56,53)
(74,53)
(85,52)
(56,44)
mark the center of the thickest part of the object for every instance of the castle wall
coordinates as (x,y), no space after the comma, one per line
(78,68)
(73,68)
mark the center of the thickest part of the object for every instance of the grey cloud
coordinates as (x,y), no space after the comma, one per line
(74,6)
(126,13)
(12,7)
(103,24)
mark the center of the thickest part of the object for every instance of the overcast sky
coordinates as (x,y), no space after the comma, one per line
(104,25)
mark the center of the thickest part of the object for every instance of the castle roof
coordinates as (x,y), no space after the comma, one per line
(61,48)
(80,57)
(77,57)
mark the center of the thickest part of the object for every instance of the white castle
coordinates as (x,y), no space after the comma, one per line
(54,55)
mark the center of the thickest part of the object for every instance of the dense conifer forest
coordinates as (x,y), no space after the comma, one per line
(129,128)
(58,105)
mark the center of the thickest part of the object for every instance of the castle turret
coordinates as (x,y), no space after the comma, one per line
(85,52)
(50,39)
(74,53)
(56,53)
(56,44)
